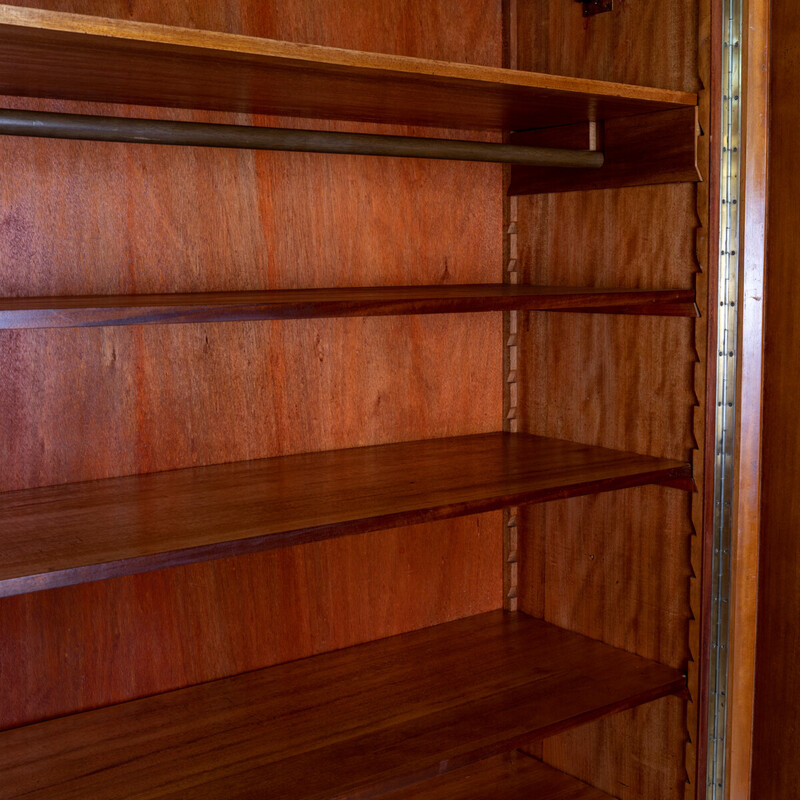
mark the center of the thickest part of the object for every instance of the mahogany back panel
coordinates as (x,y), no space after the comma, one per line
(618,567)
(92,403)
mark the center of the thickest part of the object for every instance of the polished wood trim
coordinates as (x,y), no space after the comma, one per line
(62,535)
(747,478)
(75,57)
(515,776)
(641,150)
(88,311)
(355,722)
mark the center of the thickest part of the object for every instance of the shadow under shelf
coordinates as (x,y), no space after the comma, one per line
(81,532)
(358,722)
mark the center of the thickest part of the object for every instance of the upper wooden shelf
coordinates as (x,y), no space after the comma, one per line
(74,57)
(352,723)
(70,312)
(61,535)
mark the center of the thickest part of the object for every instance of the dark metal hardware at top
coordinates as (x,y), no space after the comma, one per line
(592,7)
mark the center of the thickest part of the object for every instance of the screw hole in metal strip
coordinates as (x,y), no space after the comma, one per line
(725,418)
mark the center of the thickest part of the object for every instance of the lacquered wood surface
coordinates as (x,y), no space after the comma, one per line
(634,387)
(111,641)
(767,601)
(643,369)
(94,311)
(351,723)
(638,151)
(323,227)
(80,532)
(511,777)
(96,59)
(82,404)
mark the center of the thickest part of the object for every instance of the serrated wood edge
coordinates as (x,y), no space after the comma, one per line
(693,791)
(510,322)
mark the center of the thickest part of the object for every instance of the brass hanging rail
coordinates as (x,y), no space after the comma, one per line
(196,134)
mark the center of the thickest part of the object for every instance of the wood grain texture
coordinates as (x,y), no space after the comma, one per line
(642,150)
(84,646)
(103,60)
(63,535)
(106,311)
(768,730)
(641,367)
(599,381)
(764,121)
(706,289)
(512,777)
(384,715)
(119,401)
(635,384)
(601,566)
(638,42)
(593,753)
(86,404)
(616,568)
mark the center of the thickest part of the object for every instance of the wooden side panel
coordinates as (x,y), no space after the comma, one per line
(617,575)
(83,404)
(617,568)
(637,151)
(650,44)
(642,768)
(775,732)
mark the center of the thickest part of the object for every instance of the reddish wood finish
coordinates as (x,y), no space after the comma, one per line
(769,555)
(708,198)
(69,534)
(114,640)
(757,138)
(646,43)
(85,404)
(647,760)
(104,60)
(238,398)
(618,382)
(645,149)
(514,777)
(93,311)
(351,723)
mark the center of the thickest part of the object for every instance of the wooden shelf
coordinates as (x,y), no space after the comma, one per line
(74,57)
(510,777)
(70,312)
(62,535)
(363,720)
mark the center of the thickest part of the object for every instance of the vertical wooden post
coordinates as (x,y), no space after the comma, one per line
(747,478)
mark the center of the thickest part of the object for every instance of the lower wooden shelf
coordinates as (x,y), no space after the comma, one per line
(509,777)
(358,722)
(62,535)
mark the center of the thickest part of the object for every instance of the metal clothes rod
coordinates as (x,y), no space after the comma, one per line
(195,134)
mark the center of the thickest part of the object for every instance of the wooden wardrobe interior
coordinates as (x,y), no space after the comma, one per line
(99,402)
